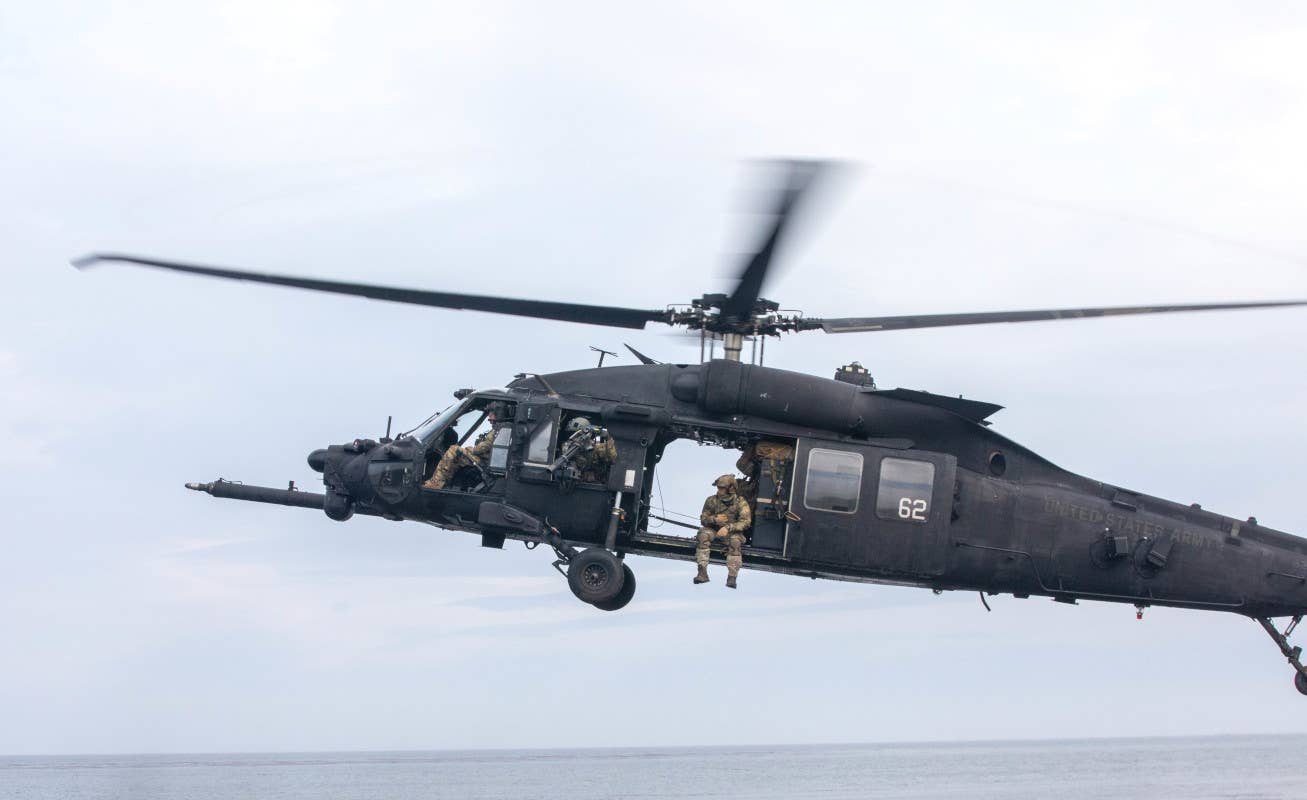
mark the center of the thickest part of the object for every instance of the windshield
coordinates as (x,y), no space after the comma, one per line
(435,422)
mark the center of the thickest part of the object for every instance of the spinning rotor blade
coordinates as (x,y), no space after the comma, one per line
(611,316)
(800,176)
(868,324)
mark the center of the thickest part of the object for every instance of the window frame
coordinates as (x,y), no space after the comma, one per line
(547,428)
(499,450)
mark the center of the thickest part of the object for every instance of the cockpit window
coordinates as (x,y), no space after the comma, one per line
(499,448)
(476,427)
(436,422)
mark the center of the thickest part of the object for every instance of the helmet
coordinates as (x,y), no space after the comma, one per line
(500,410)
(725,481)
(577,423)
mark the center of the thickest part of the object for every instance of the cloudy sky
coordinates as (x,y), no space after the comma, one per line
(1022,156)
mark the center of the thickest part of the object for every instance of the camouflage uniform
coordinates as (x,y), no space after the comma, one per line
(593,464)
(774,456)
(748,464)
(456,457)
(725,517)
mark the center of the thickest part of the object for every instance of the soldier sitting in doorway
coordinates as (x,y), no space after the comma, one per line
(457,457)
(725,518)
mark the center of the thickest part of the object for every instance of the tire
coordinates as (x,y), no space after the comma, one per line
(1300,683)
(624,596)
(595,576)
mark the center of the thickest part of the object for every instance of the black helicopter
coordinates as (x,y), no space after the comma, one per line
(863,484)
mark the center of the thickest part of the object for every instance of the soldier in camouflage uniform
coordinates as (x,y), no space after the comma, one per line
(592,464)
(759,456)
(725,517)
(456,457)
(748,464)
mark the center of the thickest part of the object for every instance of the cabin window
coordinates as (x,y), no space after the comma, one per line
(906,488)
(834,481)
(538,448)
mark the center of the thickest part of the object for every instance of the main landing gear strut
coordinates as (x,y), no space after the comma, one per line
(1290,652)
(594,575)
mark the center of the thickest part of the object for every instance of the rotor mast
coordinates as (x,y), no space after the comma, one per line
(732,344)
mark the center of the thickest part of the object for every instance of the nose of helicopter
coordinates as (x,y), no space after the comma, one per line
(318,459)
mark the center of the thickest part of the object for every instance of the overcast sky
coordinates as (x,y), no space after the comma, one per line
(1021,156)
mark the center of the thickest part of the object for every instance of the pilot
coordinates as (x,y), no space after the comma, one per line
(725,517)
(592,463)
(456,457)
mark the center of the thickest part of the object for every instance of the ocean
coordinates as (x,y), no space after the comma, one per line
(1244,767)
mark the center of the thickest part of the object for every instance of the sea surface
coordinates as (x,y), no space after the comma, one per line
(1244,767)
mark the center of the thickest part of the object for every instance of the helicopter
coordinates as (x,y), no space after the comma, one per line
(849,481)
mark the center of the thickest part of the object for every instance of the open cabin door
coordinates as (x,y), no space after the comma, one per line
(870,508)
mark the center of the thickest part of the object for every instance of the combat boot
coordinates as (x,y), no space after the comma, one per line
(702,577)
(730,581)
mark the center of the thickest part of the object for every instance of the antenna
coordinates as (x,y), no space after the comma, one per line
(602,352)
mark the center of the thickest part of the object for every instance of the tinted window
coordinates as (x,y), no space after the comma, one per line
(499,449)
(834,481)
(906,488)
(537,449)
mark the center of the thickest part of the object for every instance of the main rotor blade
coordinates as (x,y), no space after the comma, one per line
(799,178)
(644,359)
(867,324)
(611,316)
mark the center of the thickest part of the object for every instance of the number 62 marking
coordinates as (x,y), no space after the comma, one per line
(912,509)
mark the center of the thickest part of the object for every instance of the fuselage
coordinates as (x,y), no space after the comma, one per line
(881,486)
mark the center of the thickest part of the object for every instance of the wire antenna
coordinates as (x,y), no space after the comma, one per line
(602,352)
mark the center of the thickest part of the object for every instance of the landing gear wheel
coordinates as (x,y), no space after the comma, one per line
(624,596)
(1300,683)
(595,576)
